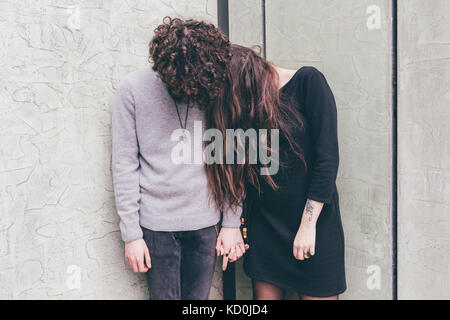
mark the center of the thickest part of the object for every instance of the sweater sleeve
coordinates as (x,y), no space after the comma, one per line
(320,109)
(232,219)
(125,164)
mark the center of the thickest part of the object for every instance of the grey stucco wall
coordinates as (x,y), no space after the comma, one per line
(245,22)
(60,64)
(424,149)
(342,40)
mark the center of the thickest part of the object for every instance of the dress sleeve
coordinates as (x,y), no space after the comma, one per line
(320,110)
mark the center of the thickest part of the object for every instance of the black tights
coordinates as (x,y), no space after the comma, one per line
(267,291)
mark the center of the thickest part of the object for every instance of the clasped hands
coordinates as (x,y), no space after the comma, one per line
(230,245)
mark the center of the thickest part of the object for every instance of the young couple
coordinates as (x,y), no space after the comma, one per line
(175,218)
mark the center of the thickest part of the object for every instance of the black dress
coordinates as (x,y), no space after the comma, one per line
(273,217)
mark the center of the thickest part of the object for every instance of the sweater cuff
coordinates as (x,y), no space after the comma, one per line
(232,219)
(131,232)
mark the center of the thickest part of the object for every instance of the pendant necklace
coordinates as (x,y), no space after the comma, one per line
(184,136)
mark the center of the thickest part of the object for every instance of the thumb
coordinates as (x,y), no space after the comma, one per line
(218,245)
(148,260)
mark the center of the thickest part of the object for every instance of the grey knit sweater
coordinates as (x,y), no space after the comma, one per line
(151,189)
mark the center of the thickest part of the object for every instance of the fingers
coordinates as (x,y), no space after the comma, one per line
(312,251)
(239,250)
(138,255)
(302,252)
(133,264)
(148,260)
(225,252)
(243,247)
(295,252)
(225,261)
(233,256)
(229,255)
(308,251)
(306,254)
(141,266)
(218,247)
(238,253)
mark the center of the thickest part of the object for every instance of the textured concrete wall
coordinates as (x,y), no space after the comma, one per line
(60,62)
(246,22)
(424,149)
(349,41)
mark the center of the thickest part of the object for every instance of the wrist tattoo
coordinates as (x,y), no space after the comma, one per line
(309,208)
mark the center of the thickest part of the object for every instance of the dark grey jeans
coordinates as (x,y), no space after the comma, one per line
(183,263)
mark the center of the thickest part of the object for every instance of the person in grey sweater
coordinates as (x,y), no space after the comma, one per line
(169,226)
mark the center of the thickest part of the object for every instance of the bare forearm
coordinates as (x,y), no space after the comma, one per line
(311,212)
(305,239)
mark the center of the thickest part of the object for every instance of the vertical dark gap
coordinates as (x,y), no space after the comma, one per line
(263,29)
(394,149)
(229,275)
(223,16)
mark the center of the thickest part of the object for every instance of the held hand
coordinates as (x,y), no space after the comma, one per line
(230,245)
(138,255)
(305,241)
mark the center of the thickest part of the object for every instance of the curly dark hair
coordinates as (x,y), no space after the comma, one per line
(191,59)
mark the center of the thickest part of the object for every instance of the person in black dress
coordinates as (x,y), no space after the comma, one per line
(294,228)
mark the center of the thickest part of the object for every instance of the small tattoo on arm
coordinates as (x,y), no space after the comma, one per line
(309,208)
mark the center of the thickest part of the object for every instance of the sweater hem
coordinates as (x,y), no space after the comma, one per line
(187,225)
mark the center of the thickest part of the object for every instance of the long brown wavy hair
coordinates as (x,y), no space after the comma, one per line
(252,99)
(236,87)
(191,58)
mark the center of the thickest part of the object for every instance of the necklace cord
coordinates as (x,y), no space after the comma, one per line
(185,118)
